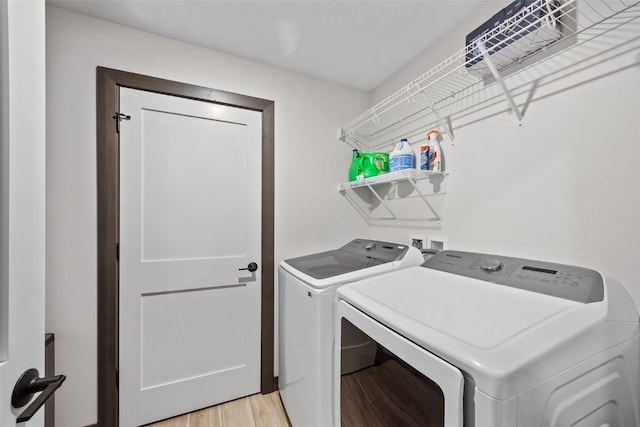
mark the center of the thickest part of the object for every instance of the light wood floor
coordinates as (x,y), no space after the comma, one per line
(383,395)
(257,410)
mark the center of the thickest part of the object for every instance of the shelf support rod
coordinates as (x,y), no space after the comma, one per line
(424,198)
(381,201)
(500,81)
(351,198)
(441,121)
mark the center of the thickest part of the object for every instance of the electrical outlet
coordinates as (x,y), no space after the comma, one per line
(437,242)
(418,241)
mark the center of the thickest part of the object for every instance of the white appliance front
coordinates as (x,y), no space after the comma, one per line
(538,344)
(306,307)
(305,339)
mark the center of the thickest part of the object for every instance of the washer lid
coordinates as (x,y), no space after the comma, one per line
(356,255)
(332,263)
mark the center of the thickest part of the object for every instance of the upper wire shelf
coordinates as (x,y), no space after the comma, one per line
(425,101)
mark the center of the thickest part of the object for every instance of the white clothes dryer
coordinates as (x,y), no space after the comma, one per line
(307,287)
(491,341)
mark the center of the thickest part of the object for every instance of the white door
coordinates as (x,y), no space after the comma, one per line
(22,199)
(189,221)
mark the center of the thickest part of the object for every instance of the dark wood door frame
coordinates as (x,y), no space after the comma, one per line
(108,82)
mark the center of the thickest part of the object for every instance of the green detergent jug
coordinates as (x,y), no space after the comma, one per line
(366,165)
(355,165)
(373,164)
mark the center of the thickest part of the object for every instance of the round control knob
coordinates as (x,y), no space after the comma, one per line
(491,265)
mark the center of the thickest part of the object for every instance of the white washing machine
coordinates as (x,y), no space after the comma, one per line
(307,287)
(491,341)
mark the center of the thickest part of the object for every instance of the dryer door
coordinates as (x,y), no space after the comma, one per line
(406,385)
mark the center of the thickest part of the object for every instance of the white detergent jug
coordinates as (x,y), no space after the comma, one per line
(402,157)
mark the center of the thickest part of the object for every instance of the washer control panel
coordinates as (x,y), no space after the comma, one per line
(564,281)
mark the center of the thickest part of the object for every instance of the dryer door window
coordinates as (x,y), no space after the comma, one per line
(403,385)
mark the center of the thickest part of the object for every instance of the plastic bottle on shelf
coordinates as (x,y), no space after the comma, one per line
(424,157)
(435,152)
(402,157)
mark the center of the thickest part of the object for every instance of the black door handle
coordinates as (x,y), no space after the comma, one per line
(29,384)
(251,267)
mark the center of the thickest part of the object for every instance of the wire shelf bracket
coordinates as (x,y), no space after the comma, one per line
(412,176)
(500,82)
(441,122)
(424,198)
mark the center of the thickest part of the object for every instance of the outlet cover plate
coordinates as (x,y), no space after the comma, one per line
(420,237)
(437,242)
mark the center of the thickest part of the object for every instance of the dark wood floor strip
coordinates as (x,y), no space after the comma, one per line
(389,394)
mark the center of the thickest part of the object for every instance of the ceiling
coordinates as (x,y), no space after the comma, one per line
(354,43)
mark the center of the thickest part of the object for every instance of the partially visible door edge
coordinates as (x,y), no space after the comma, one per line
(108,82)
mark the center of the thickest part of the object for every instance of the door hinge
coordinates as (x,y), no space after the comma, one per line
(118,252)
(118,117)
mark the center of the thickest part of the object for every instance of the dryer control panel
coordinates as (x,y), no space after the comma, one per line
(564,281)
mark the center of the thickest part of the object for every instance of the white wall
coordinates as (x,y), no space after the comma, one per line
(310,215)
(565,186)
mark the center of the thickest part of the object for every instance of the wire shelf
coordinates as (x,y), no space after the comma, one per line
(374,184)
(415,174)
(436,94)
